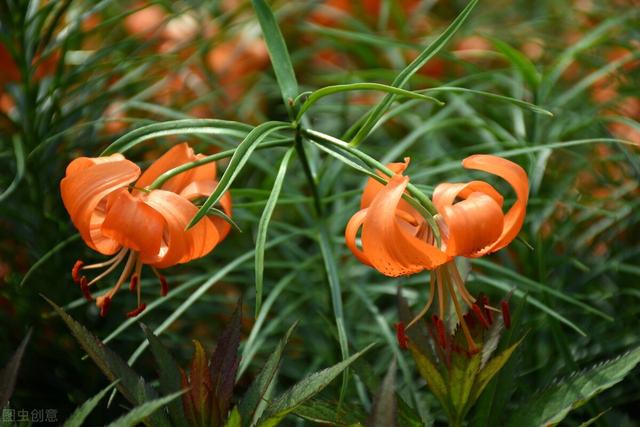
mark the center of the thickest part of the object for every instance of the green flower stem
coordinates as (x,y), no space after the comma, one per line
(159,181)
(416,197)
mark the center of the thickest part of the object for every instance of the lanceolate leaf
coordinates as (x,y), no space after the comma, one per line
(322,411)
(304,390)
(553,404)
(169,374)
(224,364)
(9,373)
(79,415)
(263,381)
(280,60)
(110,363)
(404,76)
(263,225)
(431,375)
(490,369)
(143,411)
(385,407)
(237,162)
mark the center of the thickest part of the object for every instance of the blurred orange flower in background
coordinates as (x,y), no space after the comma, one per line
(145,226)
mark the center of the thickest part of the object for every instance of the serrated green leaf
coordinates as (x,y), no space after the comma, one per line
(169,373)
(79,415)
(263,381)
(263,225)
(237,162)
(553,404)
(280,59)
(111,365)
(9,373)
(489,370)
(462,375)
(304,390)
(322,411)
(432,376)
(143,411)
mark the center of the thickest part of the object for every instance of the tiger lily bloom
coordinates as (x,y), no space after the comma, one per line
(141,226)
(398,241)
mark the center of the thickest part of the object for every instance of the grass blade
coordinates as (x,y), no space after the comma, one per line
(80,415)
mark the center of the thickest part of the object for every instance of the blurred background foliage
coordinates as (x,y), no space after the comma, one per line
(75,75)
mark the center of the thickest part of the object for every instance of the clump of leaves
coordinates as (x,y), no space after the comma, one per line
(207,391)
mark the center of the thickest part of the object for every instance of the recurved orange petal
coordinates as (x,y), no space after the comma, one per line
(204,189)
(178,155)
(373,187)
(351,233)
(517,178)
(135,225)
(389,242)
(84,190)
(472,225)
(181,246)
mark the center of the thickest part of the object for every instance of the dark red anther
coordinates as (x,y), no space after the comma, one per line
(104,309)
(133,283)
(75,271)
(401,336)
(506,316)
(84,287)
(485,304)
(480,316)
(164,286)
(136,311)
(442,336)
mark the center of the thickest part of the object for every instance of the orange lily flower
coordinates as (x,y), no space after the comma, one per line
(142,226)
(397,240)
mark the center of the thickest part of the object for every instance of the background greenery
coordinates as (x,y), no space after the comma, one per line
(76,75)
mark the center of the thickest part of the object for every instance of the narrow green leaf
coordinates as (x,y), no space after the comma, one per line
(330,90)
(80,415)
(520,103)
(553,404)
(519,61)
(169,373)
(44,258)
(280,59)
(9,373)
(258,389)
(176,127)
(461,378)
(403,77)
(385,408)
(304,390)
(336,292)
(18,151)
(263,225)
(533,301)
(237,162)
(143,411)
